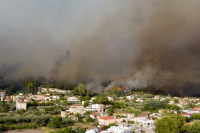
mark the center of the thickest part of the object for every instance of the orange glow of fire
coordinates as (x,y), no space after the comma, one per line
(111,87)
(126,88)
(49,76)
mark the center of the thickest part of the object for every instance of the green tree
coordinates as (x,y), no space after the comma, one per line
(68,130)
(80,121)
(146,107)
(87,98)
(22,110)
(77,126)
(64,103)
(176,101)
(81,130)
(86,103)
(89,119)
(110,111)
(55,122)
(169,124)
(81,98)
(168,95)
(112,124)
(186,128)
(61,86)
(81,89)
(59,131)
(196,126)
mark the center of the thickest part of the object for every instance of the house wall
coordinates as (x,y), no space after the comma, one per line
(21,105)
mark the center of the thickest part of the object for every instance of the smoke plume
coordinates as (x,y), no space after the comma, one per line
(140,44)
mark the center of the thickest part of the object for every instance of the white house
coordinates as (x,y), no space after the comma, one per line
(110,98)
(116,129)
(92,129)
(77,108)
(2,93)
(20,105)
(130,97)
(47,97)
(130,115)
(27,100)
(139,100)
(72,99)
(108,119)
(63,113)
(186,115)
(156,97)
(171,102)
(146,123)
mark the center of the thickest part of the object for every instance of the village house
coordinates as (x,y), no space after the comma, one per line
(143,116)
(20,105)
(106,120)
(156,97)
(40,97)
(47,97)
(27,100)
(130,115)
(7,99)
(77,108)
(179,104)
(73,117)
(139,100)
(92,129)
(19,97)
(63,113)
(146,123)
(72,99)
(122,128)
(171,102)
(196,109)
(186,115)
(110,98)
(2,93)
(131,97)
(94,115)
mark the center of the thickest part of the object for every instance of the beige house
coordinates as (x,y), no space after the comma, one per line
(20,105)
(109,119)
(63,113)
(77,108)
(94,115)
(73,117)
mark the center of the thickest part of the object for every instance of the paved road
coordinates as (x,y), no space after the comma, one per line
(148,130)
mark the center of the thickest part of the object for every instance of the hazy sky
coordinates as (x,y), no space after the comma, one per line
(137,43)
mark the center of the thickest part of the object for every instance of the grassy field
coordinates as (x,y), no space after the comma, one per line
(59,115)
(9,114)
(25,131)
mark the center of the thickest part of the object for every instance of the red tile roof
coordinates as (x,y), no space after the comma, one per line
(144,114)
(91,127)
(95,114)
(108,117)
(196,108)
(186,114)
(77,105)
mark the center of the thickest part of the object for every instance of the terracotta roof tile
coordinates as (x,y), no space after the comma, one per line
(108,117)
(91,127)
(144,114)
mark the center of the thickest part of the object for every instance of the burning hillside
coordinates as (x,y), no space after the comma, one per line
(141,45)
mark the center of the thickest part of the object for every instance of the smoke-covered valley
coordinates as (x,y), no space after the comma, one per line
(139,44)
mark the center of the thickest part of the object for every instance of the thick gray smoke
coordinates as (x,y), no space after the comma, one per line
(139,44)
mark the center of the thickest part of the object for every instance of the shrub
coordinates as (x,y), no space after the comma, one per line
(89,119)
(55,122)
